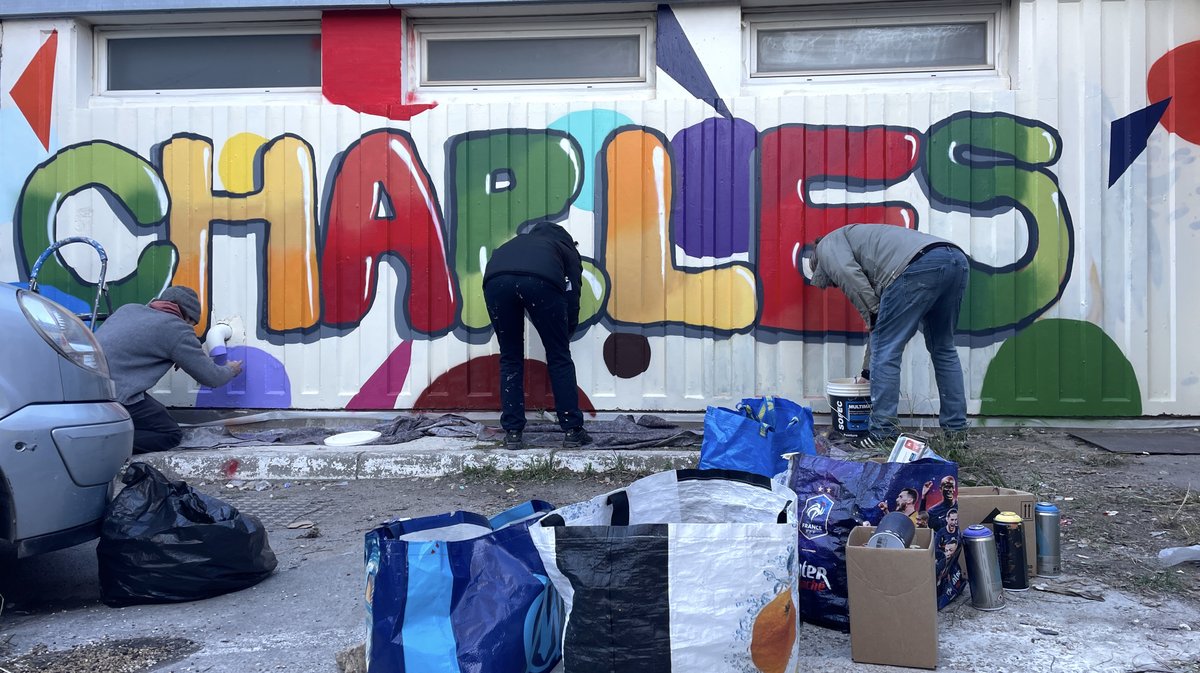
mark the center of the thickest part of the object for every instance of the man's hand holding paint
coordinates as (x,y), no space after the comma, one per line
(235,366)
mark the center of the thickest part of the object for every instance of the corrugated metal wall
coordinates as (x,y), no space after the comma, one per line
(346,248)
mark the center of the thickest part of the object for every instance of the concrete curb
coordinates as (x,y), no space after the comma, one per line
(424,457)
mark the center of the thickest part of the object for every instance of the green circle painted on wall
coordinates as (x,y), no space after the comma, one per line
(1060,368)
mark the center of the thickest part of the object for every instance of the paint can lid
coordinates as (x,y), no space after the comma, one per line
(354,438)
(1007,517)
(977,532)
(1045,507)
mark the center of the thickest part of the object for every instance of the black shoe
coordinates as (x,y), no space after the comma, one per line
(576,437)
(513,441)
(955,439)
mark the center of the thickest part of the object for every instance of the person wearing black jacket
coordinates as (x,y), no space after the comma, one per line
(539,273)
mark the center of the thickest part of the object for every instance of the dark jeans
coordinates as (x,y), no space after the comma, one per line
(153,428)
(927,296)
(509,297)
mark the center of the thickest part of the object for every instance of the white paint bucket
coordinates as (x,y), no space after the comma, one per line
(850,405)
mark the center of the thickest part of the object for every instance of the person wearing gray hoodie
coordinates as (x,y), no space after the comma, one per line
(141,343)
(900,280)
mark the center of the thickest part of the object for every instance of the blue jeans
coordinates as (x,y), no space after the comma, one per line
(926,296)
(509,298)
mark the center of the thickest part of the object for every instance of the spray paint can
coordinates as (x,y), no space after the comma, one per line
(1010,549)
(1049,557)
(895,531)
(983,568)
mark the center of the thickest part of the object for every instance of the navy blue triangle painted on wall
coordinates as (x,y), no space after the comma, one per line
(679,60)
(1129,136)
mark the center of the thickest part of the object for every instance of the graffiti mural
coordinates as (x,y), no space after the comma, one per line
(691,227)
(677,250)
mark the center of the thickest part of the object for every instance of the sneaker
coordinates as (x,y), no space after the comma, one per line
(576,437)
(873,442)
(513,441)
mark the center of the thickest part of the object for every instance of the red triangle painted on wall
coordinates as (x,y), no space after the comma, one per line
(34,89)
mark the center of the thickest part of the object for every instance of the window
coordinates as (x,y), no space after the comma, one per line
(866,41)
(501,53)
(246,58)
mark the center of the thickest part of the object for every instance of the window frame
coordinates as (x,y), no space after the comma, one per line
(423,30)
(103,34)
(961,12)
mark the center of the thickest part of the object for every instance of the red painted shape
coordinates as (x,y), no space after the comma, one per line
(795,161)
(383,167)
(383,387)
(230,468)
(34,91)
(362,63)
(475,385)
(1174,76)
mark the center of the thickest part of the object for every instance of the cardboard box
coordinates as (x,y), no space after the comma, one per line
(893,601)
(981,504)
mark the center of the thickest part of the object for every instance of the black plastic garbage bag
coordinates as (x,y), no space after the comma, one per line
(164,542)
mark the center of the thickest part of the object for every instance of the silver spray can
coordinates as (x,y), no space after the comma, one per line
(895,531)
(983,568)
(1047,521)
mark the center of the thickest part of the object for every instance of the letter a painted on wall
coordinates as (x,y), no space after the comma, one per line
(34,90)
(384,208)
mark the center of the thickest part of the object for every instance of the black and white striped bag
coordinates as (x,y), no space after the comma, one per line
(687,571)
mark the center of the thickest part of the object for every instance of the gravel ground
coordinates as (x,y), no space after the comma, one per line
(1119,511)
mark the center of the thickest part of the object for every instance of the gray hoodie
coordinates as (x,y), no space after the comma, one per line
(141,344)
(863,260)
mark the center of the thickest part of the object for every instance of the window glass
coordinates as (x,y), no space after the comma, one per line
(468,60)
(848,48)
(214,62)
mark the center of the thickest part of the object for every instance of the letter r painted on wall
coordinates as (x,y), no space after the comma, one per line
(497,181)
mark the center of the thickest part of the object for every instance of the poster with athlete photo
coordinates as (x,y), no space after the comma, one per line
(837,495)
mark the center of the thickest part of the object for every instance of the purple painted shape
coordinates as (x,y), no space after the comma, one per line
(713,191)
(676,56)
(263,383)
(382,388)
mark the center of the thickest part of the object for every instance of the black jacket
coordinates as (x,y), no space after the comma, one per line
(546,251)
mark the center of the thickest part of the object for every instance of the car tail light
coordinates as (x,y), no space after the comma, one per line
(62,330)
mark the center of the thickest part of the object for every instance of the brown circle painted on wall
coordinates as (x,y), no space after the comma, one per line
(627,355)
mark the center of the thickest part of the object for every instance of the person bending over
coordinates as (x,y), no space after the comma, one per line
(900,280)
(142,342)
(536,273)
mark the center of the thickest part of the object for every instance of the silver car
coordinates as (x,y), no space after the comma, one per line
(62,437)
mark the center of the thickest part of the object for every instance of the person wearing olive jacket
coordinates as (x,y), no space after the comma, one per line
(900,280)
(536,273)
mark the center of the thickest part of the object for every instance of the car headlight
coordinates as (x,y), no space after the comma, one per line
(62,330)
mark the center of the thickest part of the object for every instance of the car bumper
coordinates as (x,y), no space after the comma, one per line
(57,461)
